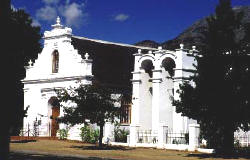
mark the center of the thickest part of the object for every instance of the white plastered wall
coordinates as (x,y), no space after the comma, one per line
(162,110)
(40,83)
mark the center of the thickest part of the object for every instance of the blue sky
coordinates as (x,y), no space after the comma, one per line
(125,21)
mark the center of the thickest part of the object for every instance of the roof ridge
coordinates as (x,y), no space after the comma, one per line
(115,43)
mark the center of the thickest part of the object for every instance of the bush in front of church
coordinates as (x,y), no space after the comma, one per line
(89,135)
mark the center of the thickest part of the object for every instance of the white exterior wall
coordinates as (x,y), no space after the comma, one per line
(163,113)
(149,111)
(40,83)
(145,99)
(166,108)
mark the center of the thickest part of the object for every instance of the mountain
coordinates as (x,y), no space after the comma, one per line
(193,34)
(148,43)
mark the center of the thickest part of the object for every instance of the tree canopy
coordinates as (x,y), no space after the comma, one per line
(219,101)
(19,42)
(89,103)
(24,46)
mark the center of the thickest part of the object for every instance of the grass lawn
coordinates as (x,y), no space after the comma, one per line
(68,148)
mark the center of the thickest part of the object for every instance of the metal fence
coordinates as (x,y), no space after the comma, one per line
(147,136)
(242,139)
(36,130)
(177,138)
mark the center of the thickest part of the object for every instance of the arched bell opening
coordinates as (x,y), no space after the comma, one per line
(147,66)
(54,112)
(169,64)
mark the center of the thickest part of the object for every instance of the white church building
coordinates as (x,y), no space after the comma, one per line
(151,75)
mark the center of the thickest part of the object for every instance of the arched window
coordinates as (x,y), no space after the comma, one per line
(55,61)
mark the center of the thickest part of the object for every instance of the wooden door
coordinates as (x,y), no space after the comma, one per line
(54,124)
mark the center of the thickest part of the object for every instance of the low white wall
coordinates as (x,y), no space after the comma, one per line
(205,150)
(179,147)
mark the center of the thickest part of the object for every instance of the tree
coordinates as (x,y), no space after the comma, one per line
(93,103)
(25,46)
(19,40)
(219,101)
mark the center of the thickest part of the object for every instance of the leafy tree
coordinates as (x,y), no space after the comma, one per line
(19,42)
(220,98)
(25,46)
(93,103)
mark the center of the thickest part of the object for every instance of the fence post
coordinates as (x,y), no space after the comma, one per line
(162,133)
(133,137)
(49,129)
(28,129)
(194,132)
(108,133)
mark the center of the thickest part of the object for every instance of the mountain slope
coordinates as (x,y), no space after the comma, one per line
(193,34)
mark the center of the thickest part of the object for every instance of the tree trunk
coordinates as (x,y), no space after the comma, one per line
(5,140)
(228,141)
(101,135)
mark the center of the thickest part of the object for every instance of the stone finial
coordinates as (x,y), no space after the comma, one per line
(181,46)
(194,48)
(86,56)
(139,51)
(30,63)
(58,20)
(160,47)
(58,23)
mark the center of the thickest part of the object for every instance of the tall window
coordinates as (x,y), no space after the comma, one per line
(125,115)
(55,61)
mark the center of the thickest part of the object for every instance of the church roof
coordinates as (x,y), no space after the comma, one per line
(112,62)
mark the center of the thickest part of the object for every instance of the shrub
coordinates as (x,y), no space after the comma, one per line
(89,135)
(63,134)
(120,134)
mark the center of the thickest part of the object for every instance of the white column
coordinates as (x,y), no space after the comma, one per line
(178,120)
(156,82)
(194,131)
(162,135)
(133,137)
(135,110)
(156,86)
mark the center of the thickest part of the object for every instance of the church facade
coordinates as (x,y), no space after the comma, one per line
(152,76)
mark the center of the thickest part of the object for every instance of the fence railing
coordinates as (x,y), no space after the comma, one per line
(149,136)
(35,130)
(177,138)
(243,140)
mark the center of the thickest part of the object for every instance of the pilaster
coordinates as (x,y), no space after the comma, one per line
(156,83)
(194,132)
(162,135)
(133,137)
